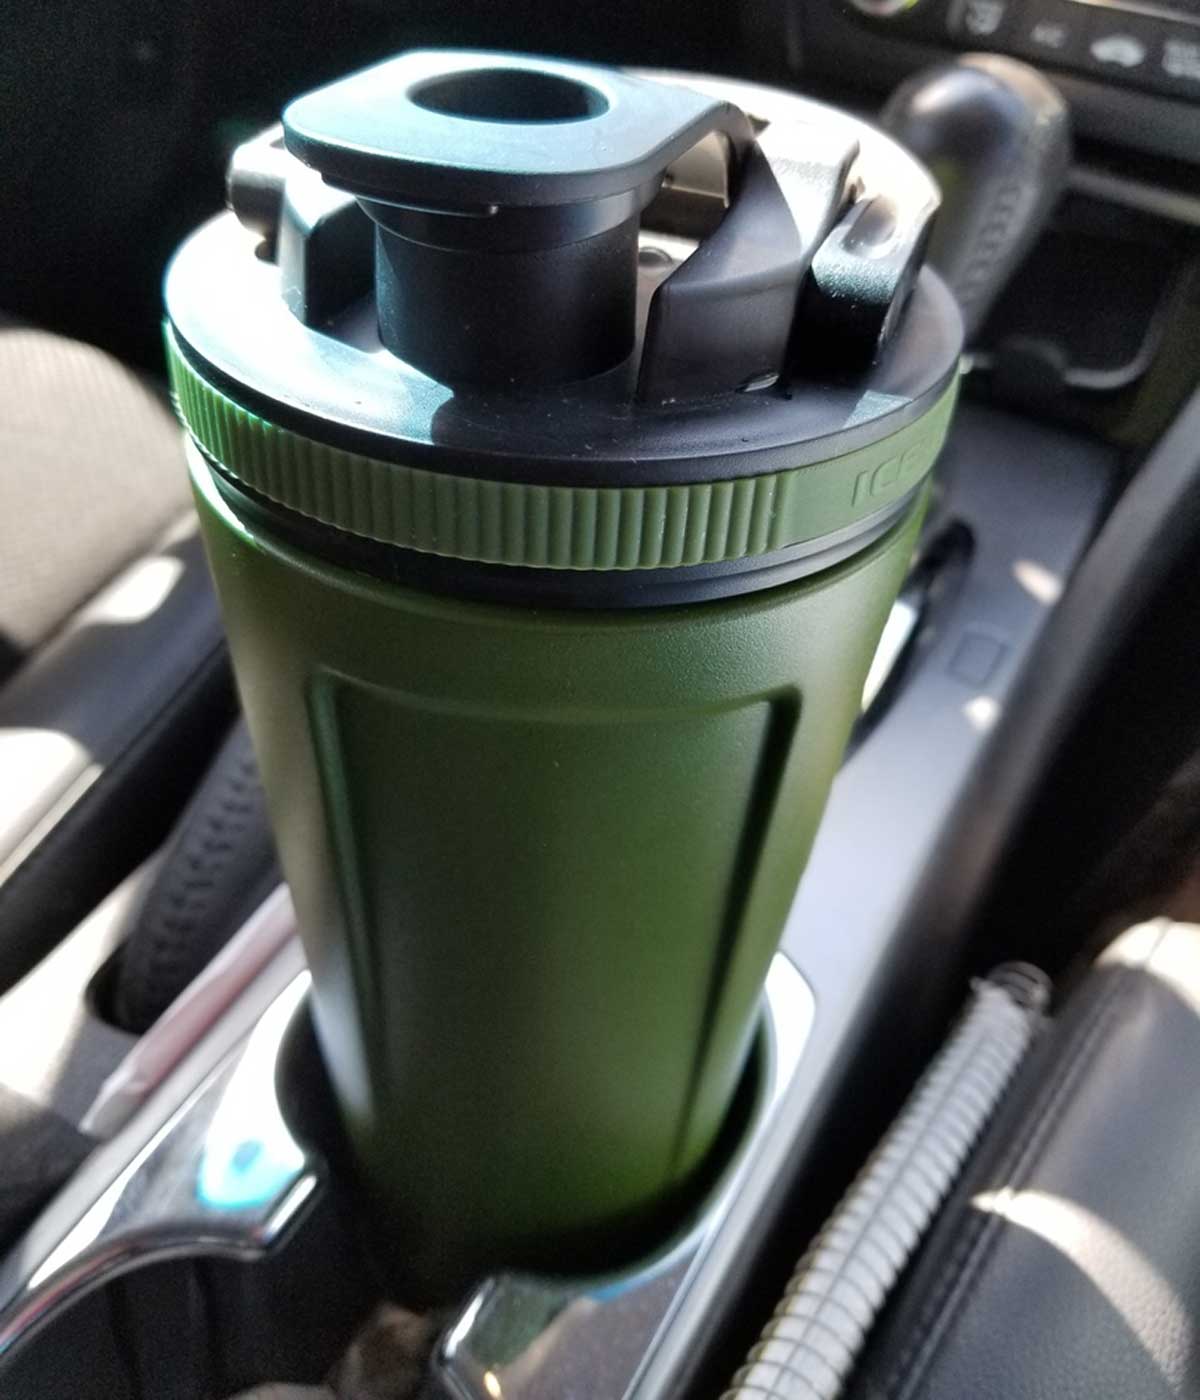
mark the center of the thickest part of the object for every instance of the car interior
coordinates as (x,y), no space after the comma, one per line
(343,987)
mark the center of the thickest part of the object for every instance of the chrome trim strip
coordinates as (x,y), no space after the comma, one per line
(1180,206)
(222,1176)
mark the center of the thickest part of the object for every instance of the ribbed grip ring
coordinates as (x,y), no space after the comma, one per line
(553,527)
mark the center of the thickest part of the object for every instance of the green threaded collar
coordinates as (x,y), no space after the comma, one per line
(554,527)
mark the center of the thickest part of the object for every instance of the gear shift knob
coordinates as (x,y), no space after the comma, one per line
(996,136)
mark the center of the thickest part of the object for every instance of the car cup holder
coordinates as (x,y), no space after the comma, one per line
(234,1173)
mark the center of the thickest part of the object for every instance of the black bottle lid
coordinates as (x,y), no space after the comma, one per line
(448,295)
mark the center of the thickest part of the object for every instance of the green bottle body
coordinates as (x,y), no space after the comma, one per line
(541,860)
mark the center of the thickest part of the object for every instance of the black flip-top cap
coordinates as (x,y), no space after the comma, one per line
(470,131)
(782,362)
(460,157)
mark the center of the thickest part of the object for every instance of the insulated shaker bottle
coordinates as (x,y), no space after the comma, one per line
(555,514)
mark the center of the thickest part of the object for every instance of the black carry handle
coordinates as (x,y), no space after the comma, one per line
(724,319)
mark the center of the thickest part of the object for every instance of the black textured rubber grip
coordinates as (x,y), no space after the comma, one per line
(218,866)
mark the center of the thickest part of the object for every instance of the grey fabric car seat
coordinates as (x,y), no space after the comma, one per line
(114,685)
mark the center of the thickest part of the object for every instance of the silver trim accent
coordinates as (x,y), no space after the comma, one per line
(527,1337)
(883,9)
(1180,206)
(194,1012)
(223,1175)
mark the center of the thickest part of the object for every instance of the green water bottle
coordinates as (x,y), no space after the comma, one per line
(555,510)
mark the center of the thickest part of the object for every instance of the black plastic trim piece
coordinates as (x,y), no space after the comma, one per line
(1103,716)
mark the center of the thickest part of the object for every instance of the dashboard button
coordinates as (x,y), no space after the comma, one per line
(1177,60)
(981,23)
(976,657)
(1121,46)
(1052,32)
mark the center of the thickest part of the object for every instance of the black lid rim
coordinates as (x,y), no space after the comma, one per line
(742,435)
